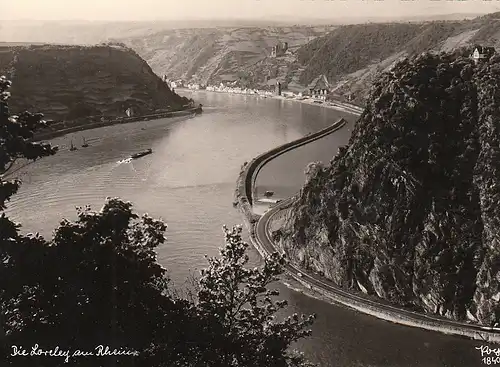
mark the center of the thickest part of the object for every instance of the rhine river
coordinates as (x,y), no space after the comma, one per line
(189,182)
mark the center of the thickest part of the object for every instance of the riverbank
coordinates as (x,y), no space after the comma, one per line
(333,104)
(55,132)
(317,286)
(246,179)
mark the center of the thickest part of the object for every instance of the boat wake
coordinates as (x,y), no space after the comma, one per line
(135,172)
(121,161)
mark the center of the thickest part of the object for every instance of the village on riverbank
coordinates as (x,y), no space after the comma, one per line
(313,99)
(318,92)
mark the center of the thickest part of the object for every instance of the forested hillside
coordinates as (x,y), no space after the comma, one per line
(69,82)
(213,55)
(352,56)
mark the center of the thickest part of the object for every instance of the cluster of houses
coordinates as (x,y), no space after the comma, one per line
(319,89)
(194,86)
(224,88)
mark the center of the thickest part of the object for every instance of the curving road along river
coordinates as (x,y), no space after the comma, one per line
(189,181)
(364,304)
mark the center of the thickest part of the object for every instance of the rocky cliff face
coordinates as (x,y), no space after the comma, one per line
(410,209)
(69,82)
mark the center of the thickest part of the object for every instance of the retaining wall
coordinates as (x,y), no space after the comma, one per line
(249,171)
(243,200)
(44,135)
(244,184)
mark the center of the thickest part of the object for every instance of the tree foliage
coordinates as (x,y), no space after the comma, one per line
(97,282)
(239,310)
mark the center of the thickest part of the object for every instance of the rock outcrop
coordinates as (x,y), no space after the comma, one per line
(409,211)
(71,82)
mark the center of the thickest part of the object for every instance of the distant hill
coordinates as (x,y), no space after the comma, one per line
(73,32)
(351,56)
(203,51)
(215,55)
(386,19)
(70,82)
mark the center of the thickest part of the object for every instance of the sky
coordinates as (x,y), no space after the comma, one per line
(144,10)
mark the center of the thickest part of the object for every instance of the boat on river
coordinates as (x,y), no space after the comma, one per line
(72,147)
(141,154)
(85,144)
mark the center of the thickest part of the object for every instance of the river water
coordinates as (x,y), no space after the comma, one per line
(189,182)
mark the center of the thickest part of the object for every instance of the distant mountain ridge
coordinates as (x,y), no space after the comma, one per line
(350,56)
(71,82)
(352,63)
(215,55)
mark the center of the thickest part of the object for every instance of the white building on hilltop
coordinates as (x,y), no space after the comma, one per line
(482,53)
